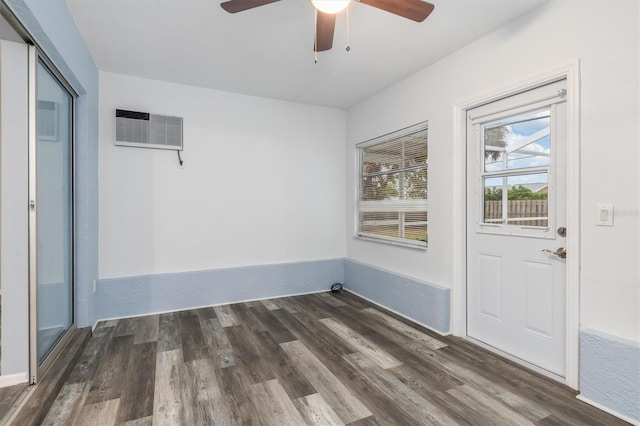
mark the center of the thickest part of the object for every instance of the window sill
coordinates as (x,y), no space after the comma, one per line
(392,242)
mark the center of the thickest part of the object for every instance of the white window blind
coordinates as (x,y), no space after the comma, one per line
(393,175)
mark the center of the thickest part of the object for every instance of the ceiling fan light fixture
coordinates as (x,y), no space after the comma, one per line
(330,6)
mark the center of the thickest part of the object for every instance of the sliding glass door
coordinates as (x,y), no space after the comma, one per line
(51,205)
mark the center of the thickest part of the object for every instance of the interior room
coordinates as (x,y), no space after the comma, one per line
(270,212)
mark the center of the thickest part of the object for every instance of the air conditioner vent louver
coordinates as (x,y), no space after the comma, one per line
(146,130)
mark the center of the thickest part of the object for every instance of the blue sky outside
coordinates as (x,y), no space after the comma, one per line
(520,154)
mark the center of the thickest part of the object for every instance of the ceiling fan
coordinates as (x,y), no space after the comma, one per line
(416,10)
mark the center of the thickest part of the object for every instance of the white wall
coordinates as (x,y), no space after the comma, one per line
(7,32)
(605,39)
(14,218)
(262,183)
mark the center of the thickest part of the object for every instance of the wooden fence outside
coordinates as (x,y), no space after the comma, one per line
(520,212)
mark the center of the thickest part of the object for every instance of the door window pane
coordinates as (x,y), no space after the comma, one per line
(521,200)
(54,210)
(523,141)
(528,200)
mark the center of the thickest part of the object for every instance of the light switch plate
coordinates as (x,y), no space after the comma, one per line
(604,215)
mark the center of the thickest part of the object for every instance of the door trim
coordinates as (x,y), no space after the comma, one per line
(570,72)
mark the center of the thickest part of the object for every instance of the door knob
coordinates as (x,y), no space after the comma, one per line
(561,252)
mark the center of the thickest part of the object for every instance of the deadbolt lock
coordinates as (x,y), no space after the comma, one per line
(562,231)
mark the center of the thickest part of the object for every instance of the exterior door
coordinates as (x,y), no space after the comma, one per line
(516,218)
(51,214)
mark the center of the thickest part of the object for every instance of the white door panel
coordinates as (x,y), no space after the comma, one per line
(516,202)
(491,286)
(538,290)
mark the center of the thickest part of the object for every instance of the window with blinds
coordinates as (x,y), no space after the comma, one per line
(393,176)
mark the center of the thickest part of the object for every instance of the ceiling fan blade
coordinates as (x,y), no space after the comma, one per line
(325,25)
(416,10)
(233,6)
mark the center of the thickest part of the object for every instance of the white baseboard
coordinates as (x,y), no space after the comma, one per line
(634,422)
(13,379)
(398,313)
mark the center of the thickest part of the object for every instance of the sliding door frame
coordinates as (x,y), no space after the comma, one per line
(37,368)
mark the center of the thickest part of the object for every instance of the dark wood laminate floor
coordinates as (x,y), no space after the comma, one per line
(8,397)
(316,359)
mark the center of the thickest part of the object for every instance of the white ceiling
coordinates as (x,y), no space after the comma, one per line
(268,51)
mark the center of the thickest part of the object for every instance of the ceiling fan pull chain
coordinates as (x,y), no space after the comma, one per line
(315,37)
(348,48)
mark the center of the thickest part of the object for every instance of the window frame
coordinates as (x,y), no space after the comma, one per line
(389,137)
(542,232)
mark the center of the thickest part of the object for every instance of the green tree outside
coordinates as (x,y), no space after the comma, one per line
(518,192)
(495,136)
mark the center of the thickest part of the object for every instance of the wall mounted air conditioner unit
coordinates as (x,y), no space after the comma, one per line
(47,121)
(144,130)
